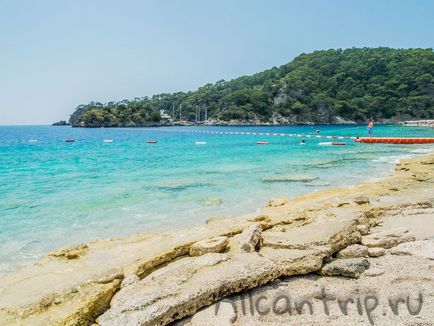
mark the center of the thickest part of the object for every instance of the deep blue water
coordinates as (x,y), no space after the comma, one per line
(54,193)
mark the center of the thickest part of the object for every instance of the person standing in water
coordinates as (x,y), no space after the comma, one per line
(371,128)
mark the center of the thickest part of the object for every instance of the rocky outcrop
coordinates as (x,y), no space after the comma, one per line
(71,252)
(217,244)
(151,278)
(185,286)
(248,240)
(349,267)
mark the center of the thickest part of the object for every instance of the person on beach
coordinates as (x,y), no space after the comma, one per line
(371,128)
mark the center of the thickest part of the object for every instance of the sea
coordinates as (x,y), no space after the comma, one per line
(110,182)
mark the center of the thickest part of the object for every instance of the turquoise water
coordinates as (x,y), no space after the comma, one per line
(54,193)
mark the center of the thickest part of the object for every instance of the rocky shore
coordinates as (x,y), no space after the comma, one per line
(350,240)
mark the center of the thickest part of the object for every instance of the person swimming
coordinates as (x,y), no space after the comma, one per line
(371,128)
(302,142)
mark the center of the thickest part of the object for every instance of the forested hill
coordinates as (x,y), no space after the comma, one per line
(329,86)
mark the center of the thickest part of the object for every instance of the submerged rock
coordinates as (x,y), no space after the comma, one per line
(318,184)
(349,267)
(217,244)
(213,201)
(388,239)
(290,178)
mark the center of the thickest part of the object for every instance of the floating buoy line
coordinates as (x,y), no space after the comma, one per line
(369,140)
(251,133)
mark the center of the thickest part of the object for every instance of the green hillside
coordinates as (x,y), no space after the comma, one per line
(326,86)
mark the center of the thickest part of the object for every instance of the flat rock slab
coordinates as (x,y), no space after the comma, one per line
(217,244)
(333,233)
(388,239)
(183,287)
(349,267)
(423,249)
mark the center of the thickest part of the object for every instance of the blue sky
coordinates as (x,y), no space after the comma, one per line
(57,54)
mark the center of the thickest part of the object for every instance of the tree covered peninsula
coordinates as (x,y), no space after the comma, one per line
(329,86)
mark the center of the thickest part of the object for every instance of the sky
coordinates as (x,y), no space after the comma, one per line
(55,55)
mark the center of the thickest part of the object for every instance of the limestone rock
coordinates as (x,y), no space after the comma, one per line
(376,252)
(276,202)
(188,284)
(217,244)
(248,240)
(130,279)
(422,248)
(388,239)
(363,229)
(353,251)
(332,234)
(349,267)
(212,201)
(71,252)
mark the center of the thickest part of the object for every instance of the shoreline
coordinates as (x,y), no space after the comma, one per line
(379,175)
(77,283)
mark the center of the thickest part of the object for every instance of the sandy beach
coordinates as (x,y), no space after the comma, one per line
(350,241)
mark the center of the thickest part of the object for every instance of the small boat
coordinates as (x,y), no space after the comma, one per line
(151,142)
(33,140)
(262,143)
(334,143)
(107,141)
(200,143)
(69,140)
(394,140)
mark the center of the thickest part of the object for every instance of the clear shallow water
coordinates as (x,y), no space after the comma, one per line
(54,193)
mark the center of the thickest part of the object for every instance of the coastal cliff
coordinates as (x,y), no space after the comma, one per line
(159,277)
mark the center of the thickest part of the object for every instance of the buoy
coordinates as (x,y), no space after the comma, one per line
(108,141)
(262,143)
(151,141)
(394,140)
(33,140)
(69,140)
(200,143)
